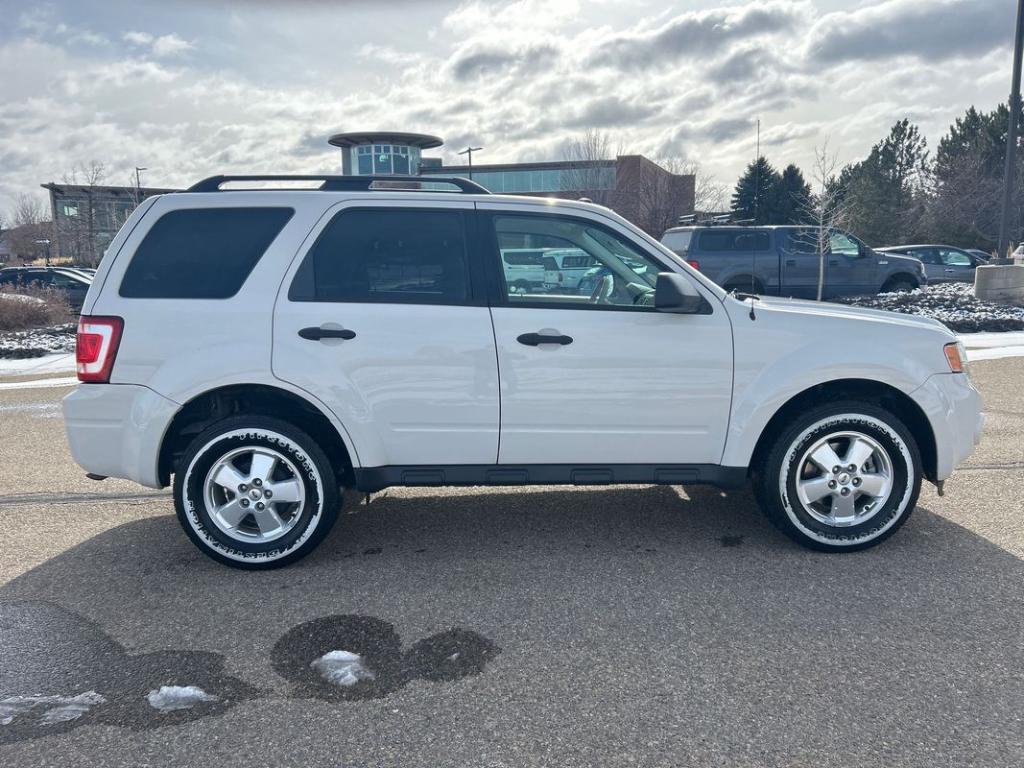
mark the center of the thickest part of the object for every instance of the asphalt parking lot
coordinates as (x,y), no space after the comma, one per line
(558,627)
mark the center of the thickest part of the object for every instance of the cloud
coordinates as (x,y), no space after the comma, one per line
(696,32)
(931,30)
(160,46)
(170,45)
(204,89)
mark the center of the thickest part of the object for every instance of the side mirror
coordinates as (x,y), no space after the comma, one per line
(674,293)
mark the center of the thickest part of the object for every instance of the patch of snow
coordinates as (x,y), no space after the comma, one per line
(993,346)
(59,709)
(342,668)
(170,698)
(953,304)
(59,381)
(38,342)
(38,410)
(59,362)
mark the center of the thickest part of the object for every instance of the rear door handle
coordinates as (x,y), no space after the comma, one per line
(834,262)
(316,333)
(790,262)
(533,339)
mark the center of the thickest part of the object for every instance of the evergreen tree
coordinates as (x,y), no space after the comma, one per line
(757,193)
(884,193)
(794,196)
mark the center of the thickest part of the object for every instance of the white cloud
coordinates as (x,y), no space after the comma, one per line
(170,45)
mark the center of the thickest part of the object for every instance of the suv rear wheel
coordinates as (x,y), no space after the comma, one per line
(254,492)
(841,477)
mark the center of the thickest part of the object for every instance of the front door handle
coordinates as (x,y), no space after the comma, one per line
(533,339)
(316,333)
(833,262)
(790,262)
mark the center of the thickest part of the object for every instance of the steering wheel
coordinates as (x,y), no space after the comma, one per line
(603,290)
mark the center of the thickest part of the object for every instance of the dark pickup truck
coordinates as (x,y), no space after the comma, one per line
(783,261)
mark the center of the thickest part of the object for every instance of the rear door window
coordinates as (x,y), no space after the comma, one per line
(713,241)
(411,256)
(201,253)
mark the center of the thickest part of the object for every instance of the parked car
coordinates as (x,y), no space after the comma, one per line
(942,263)
(70,282)
(266,348)
(784,261)
(524,267)
(567,268)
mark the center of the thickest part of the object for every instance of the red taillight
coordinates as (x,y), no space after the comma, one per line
(694,263)
(96,347)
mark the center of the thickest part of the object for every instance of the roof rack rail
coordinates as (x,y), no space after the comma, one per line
(711,219)
(345,183)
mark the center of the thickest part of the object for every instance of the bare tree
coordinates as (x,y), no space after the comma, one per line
(28,209)
(826,208)
(29,232)
(589,176)
(77,229)
(709,195)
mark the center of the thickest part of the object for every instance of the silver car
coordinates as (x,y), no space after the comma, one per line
(942,263)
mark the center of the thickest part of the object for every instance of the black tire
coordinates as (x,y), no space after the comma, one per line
(304,468)
(775,482)
(899,285)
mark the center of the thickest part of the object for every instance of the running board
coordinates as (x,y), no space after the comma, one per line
(371,479)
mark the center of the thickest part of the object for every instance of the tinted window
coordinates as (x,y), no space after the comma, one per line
(201,253)
(677,241)
(387,255)
(733,241)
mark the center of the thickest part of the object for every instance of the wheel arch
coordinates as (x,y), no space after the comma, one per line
(866,390)
(214,405)
(900,277)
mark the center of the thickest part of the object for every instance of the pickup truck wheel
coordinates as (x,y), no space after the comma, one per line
(842,477)
(254,492)
(899,285)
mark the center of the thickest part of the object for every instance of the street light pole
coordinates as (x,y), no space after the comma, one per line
(138,180)
(470,150)
(1010,169)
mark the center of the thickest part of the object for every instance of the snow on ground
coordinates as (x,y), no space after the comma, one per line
(170,698)
(58,709)
(951,303)
(38,342)
(61,381)
(63,362)
(993,346)
(342,668)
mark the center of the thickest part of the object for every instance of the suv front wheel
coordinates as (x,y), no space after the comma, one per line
(254,492)
(841,477)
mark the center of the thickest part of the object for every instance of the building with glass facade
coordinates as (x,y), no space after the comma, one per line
(382,153)
(633,186)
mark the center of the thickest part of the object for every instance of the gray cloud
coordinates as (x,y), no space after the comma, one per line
(488,60)
(926,29)
(698,32)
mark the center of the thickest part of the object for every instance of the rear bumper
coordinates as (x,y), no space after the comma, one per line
(116,430)
(953,407)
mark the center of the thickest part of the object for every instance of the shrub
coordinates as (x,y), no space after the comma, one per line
(31,307)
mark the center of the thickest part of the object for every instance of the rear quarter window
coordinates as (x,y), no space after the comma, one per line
(201,253)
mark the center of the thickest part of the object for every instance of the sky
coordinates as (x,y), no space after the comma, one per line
(191,88)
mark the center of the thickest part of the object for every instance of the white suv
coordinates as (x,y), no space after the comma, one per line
(269,348)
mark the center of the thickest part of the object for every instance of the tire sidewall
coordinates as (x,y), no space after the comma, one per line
(906,480)
(190,497)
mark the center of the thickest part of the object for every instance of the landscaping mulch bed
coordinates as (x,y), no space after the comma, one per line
(19,345)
